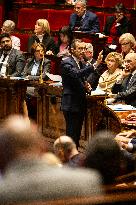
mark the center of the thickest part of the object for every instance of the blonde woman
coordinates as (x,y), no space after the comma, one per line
(42,35)
(127,42)
(114,63)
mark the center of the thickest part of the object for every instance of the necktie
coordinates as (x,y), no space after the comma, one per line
(129,80)
(4,56)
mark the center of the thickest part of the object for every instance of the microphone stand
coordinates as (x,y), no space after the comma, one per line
(41,72)
(8,76)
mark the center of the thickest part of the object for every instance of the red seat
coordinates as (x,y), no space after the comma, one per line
(127,3)
(95,3)
(58,18)
(101,19)
(27,17)
(46,1)
(1,15)
(23,40)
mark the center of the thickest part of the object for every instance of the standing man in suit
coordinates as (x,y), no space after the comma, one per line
(12,61)
(83,20)
(125,88)
(74,90)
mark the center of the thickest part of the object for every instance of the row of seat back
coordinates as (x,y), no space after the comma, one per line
(96,3)
(57,18)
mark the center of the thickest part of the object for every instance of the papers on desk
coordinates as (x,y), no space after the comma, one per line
(17,78)
(101,35)
(98,92)
(58,84)
(121,107)
(55,78)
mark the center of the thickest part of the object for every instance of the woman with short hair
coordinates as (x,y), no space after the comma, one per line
(114,63)
(127,42)
(42,35)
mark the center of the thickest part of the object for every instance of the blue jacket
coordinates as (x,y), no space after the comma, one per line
(74,93)
(89,23)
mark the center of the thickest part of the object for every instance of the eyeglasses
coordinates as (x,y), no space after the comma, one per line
(37,51)
(124,44)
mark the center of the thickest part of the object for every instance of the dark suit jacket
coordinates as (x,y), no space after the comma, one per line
(16,62)
(29,66)
(89,23)
(133,141)
(123,28)
(48,42)
(74,93)
(126,91)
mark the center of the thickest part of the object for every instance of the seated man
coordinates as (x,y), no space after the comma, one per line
(83,20)
(65,149)
(12,61)
(125,88)
(104,155)
(94,76)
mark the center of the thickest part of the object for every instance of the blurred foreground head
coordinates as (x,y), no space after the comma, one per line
(104,155)
(19,138)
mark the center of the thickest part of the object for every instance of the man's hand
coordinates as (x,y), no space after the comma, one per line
(131,116)
(120,17)
(99,59)
(87,86)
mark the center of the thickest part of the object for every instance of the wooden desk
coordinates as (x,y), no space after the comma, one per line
(127,124)
(51,121)
(12,95)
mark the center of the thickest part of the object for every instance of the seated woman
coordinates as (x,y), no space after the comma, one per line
(64,41)
(42,35)
(127,42)
(33,71)
(118,24)
(114,63)
(8,27)
(34,65)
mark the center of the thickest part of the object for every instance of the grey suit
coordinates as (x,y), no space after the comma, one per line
(126,91)
(16,62)
(28,180)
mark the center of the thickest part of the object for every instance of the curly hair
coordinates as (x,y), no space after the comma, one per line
(117,56)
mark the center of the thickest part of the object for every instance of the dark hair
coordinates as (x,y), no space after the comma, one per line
(74,42)
(104,155)
(66,31)
(119,7)
(35,45)
(4,35)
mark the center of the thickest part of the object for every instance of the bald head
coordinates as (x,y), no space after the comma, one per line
(130,61)
(63,147)
(19,137)
(63,139)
